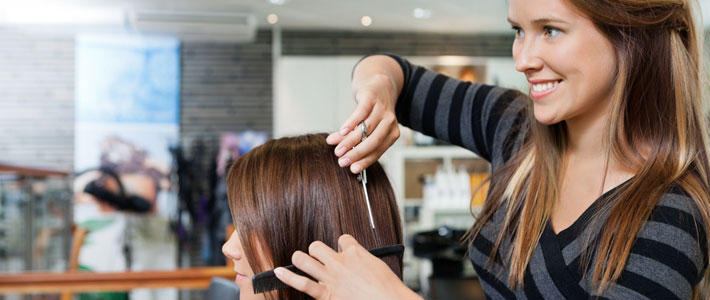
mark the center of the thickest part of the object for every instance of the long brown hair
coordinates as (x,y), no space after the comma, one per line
(290,192)
(657,126)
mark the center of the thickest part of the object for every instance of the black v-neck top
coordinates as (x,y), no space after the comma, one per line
(667,260)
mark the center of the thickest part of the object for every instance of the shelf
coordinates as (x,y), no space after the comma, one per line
(418,202)
(451,211)
(413,202)
(454,211)
(435,152)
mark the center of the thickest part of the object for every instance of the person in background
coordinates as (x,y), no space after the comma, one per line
(600,185)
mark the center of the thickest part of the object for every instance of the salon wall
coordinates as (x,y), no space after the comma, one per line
(224,87)
(407,44)
(36,99)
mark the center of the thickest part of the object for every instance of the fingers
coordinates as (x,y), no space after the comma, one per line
(308,264)
(300,283)
(322,252)
(346,241)
(366,102)
(376,109)
(368,151)
(354,139)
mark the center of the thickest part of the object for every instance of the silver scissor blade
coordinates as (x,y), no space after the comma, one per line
(363,179)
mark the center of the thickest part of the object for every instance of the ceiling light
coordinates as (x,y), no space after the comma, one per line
(366,21)
(272,18)
(421,13)
(277,2)
(27,13)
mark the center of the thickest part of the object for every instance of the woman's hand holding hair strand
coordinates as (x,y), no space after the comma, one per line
(350,274)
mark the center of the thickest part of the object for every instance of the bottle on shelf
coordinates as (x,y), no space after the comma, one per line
(443,188)
(463,184)
(429,191)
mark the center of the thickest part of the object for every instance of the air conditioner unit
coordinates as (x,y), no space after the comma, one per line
(195,25)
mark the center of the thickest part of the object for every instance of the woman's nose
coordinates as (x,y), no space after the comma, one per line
(526,56)
(231,248)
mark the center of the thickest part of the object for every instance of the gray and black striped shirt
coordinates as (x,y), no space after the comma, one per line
(667,260)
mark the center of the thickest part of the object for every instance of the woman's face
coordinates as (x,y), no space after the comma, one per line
(233,250)
(570,65)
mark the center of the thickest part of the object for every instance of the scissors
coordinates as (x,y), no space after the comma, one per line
(362,177)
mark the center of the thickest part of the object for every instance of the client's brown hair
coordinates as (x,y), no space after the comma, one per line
(291,191)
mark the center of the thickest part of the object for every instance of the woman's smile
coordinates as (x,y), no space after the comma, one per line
(542,88)
(550,39)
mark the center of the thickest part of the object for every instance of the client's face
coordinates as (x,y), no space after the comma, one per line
(233,250)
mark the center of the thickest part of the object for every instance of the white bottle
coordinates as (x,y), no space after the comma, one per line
(453,186)
(464,183)
(443,191)
(429,191)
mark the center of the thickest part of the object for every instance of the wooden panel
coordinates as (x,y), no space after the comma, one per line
(30,170)
(195,278)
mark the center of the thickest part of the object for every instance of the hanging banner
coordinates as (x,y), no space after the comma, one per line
(126,118)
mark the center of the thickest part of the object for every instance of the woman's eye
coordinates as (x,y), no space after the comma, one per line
(551,32)
(518,32)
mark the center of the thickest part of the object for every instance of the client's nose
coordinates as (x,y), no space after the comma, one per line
(231,247)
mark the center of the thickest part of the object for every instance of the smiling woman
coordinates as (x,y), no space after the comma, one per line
(290,192)
(547,49)
(600,185)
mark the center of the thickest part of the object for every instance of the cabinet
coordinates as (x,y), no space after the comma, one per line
(449,158)
(401,163)
(35,219)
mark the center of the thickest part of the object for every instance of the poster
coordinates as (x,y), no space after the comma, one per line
(126,118)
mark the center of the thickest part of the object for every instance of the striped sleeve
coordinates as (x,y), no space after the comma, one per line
(484,119)
(670,254)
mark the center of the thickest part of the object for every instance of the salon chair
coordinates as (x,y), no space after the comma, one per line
(447,253)
(222,289)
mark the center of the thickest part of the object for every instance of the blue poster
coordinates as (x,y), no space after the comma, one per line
(127,114)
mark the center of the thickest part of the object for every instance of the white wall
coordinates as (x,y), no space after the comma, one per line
(312,94)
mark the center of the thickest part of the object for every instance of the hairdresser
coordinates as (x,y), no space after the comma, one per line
(600,181)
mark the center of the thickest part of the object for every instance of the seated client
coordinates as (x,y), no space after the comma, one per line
(290,192)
